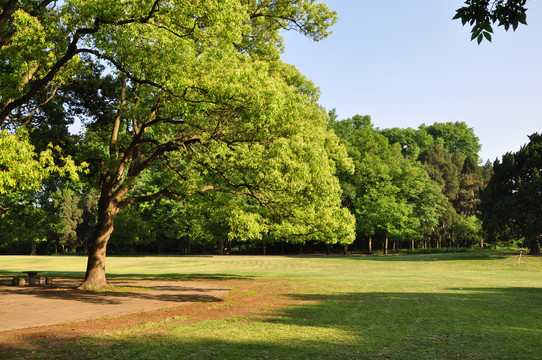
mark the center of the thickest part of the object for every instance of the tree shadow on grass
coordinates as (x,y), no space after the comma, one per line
(163,288)
(468,323)
(477,323)
(165,276)
(117,295)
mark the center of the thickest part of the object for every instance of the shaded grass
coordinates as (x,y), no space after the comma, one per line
(435,306)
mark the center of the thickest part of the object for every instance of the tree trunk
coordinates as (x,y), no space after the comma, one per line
(300,249)
(386,245)
(221,247)
(370,244)
(534,246)
(33,247)
(412,245)
(107,211)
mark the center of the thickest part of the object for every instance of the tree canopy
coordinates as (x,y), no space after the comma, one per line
(512,201)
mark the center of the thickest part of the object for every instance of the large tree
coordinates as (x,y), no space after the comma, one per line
(196,91)
(512,201)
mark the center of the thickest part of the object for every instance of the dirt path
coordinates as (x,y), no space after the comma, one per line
(62,314)
(24,307)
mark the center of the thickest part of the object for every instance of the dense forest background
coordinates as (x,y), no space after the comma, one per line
(411,189)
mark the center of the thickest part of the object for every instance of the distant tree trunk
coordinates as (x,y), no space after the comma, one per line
(370,244)
(327,249)
(346,250)
(534,246)
(386,245)
(33,248)
(481,243)
(412,244)
(282,247)
(300,249)
(264,248)
(221,249)
(188,243)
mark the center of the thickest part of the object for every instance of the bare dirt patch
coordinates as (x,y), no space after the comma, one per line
(63,314)
(24,307)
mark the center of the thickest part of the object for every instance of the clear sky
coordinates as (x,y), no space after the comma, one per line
(405,63)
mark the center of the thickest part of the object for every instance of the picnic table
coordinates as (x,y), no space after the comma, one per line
(32,277)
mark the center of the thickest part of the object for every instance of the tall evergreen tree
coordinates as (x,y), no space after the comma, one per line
(512,201)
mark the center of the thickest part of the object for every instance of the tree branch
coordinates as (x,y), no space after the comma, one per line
(71,51)
(116,124)
(137,199)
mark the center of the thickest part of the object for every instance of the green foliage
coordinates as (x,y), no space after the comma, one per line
(389,193)
(36,58)
(468,231)
(413,142)
(24,223)
(68,209)
(443,169)
(22,169)
(482,14)
(455,138)
(512,201)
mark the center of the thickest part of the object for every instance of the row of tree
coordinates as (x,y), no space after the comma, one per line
(415,186)
(410,188)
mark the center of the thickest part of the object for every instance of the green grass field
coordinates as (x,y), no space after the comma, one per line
(478,305)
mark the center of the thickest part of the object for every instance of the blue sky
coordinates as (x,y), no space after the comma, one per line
(405,63)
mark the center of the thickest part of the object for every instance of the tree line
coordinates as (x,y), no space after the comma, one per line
(410,189)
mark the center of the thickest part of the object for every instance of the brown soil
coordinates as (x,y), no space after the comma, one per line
(62,314)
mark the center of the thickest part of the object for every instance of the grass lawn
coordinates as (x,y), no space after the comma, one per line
(435,306)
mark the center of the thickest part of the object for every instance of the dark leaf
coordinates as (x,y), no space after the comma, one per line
(487,36)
